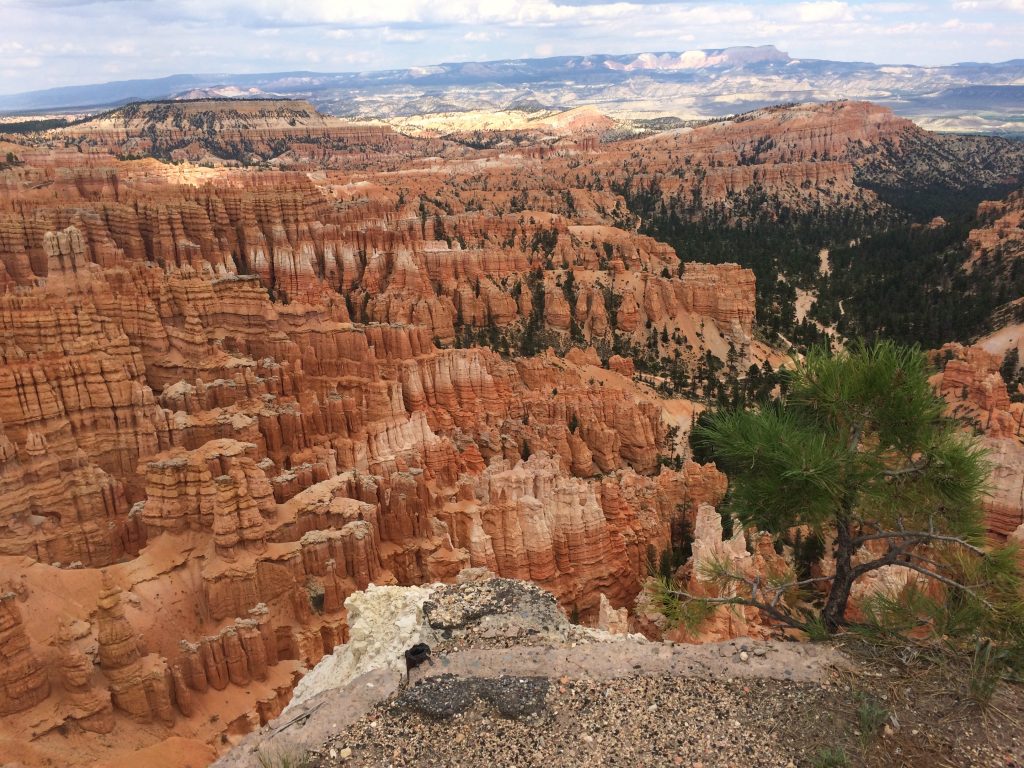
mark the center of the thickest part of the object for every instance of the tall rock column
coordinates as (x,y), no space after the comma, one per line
(89,707)
(119,653)
(23,680)
(139,686)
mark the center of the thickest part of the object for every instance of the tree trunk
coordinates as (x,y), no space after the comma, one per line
(834,614)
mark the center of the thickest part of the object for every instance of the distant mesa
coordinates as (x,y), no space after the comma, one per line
(223,131)
(224,92)
(694,84)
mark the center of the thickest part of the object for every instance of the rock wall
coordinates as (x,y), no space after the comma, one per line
(237,131)
(230,399)
(328,357)
(971,383)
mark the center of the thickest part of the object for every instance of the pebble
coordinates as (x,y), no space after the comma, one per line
(643,721)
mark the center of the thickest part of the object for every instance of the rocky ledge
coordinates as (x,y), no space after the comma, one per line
(511,681)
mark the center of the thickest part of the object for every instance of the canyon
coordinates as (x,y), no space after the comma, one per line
(254,359)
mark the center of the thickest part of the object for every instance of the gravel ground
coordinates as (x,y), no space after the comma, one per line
(499,613)
(584,698)
(531,722)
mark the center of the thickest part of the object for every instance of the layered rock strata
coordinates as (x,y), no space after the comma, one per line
(976,392)
(238,394)
(248,392)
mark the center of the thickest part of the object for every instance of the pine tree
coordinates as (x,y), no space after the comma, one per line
(861,453)
(525,452)
(1011,364)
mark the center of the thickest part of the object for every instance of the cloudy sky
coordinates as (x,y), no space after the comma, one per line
(45,43)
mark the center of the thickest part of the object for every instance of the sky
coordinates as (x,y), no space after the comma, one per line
(46,43)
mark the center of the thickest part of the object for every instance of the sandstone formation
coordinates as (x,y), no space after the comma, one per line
(1001,234)
(612,620)
(23,679)
(88,706)
(138,684)
(971,383)
(713,553)
(242,131)
(235,393)
(247,394)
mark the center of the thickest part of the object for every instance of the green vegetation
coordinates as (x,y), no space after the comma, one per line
(524,451)
(830,757)
(666,600)
(1012,374)
(907,284)
(859,451)
(283,757)
(890,277)
(757,230)
(34,125)
(871,716)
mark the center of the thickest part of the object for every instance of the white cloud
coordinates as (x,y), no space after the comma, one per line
(988,5)
(123,48)
(894,7)
(973,26)
(402,35)
(391,12)
(813,13)
(150,38)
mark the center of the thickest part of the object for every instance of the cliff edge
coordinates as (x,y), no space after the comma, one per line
(512,681)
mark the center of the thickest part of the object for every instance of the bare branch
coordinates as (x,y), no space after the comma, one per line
(928,561)
(855,435)
(895,555)
(862,523)
(919,537)
(944,580)
(755,584)
(914,467)
(775,613)
(892,556)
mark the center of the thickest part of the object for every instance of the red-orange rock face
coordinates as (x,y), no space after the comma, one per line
(246,394)
(23,679)
(971,383)
(1001,234)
